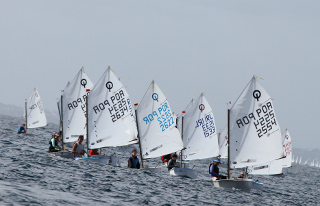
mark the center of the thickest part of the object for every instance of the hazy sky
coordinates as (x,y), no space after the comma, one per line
(188,47)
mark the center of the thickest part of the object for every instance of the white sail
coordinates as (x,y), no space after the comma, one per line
(59,99)
(35,111)
(287,148)
(179,119)
(300,160)
(223,142)
(311,163)
(199,131)
(255,136)
(74,107)
(270,168)
(111,121)
(157,127)
(189,106)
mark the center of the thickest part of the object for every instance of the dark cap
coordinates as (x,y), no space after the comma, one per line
(134,150)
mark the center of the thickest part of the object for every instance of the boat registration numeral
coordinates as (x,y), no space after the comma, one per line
(263,119)
(116,105)
(207,125)
(162,115)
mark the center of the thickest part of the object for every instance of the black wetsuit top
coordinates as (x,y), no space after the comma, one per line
(171,164)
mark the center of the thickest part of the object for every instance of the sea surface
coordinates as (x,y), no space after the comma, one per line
(29,175)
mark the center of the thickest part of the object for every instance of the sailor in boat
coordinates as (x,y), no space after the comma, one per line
(21,129)
(166,158)
(214,170)
(241,175)
(93,152)
(78,148)
(173,162)
(53,143)
(133,161)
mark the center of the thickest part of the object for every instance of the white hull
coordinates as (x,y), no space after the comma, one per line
(102,159)
(153,169)
(184,172)
(244,185)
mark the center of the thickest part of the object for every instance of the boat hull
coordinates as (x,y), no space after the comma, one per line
(244,185)
(110,160)
(184,172)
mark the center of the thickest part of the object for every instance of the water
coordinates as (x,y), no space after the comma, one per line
(30,175)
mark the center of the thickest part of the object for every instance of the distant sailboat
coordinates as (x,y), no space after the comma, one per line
(311,163)
(34,111)
(287,147)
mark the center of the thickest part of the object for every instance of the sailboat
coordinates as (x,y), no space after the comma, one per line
(158,134)
(73,110)
(34,111)
(199,135)
(287,147)
(311,164)
(254,134)
(110,118)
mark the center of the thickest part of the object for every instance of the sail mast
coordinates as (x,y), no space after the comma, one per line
(138,136)
(26,113)
(61,122)
(228,143)
(181,139)
(87,131)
